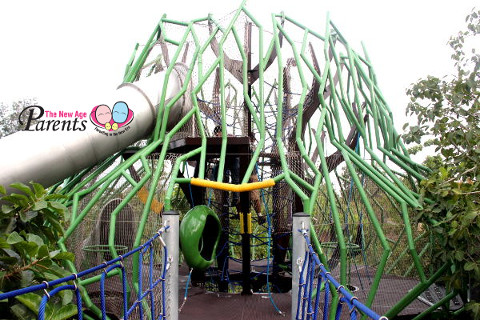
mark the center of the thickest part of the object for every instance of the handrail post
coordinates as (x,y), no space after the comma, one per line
(301,220)
(172,240)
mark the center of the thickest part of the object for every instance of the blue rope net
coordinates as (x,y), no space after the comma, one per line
(145,305)
(315,281)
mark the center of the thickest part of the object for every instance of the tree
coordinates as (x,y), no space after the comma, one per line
(9,114)
(448,119)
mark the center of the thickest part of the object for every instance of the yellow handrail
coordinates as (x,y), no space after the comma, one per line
(232,187)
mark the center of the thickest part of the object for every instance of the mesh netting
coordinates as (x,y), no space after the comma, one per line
(111,219)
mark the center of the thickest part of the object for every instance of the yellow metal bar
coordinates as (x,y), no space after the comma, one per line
(232,187)
(249,223)
(242,227)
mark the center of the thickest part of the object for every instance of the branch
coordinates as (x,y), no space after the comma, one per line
(27,267)
(233,66)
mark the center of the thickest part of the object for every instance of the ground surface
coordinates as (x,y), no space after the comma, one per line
(202,304)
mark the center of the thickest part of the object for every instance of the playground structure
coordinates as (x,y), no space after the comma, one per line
(255,125)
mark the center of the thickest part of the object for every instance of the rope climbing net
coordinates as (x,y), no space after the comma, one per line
(151,301)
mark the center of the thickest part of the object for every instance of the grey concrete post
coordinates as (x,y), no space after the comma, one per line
(301,220)
(172,240)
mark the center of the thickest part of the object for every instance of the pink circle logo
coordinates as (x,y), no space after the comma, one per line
(111,119)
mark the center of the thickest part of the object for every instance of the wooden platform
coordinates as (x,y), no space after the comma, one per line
(235,146)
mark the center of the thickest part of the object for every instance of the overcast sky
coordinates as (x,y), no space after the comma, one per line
(69,55)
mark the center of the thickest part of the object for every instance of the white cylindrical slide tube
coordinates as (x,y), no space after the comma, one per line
(49,156)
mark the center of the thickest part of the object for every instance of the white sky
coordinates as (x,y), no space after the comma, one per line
(70,55)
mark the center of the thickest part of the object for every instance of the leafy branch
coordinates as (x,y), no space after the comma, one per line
(448,118)
(31,222)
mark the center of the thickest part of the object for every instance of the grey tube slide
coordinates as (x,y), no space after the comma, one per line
(48,157)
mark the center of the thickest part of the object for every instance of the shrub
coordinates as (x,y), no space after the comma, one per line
(31,222)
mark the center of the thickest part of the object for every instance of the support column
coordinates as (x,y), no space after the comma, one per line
(223,245)
(172,240)
(246,235)
(301,220)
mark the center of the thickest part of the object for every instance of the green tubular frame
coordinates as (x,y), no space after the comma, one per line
(347,78)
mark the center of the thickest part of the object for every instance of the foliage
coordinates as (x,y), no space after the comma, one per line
(31,222)
(9,114)
(448,115)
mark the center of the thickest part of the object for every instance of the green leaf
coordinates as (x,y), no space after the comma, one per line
(45,262)
(55,196)
(55,224)
(22,199)
(50,276)
(38,188)
(60,272)
(10,260)
(67,215)
(469,266)
(34,238)
(474,308)
(67,296)
(64,256)
(459,255)
(2,190)
(26,279)
(30,248)
(54,253)
(21,312)
(30,300)
(27,216)
(470,216)
(12,199)
(22,187)
(14,238)
(457,191)
(2,274)
(57,206)
(65,312)
(39,205)
(43,252)
(3,243)
(7,209)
